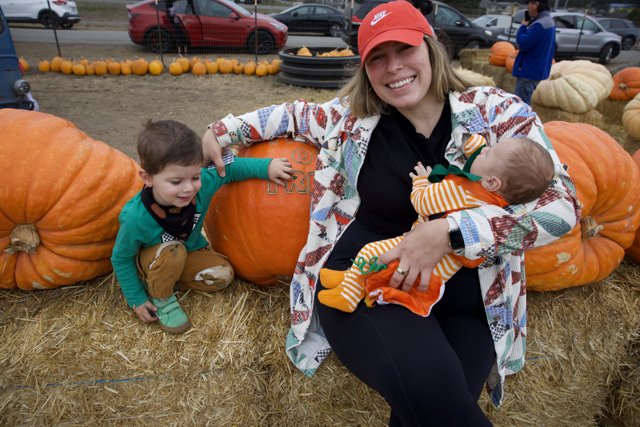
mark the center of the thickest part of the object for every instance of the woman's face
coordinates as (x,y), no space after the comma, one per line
(400,74)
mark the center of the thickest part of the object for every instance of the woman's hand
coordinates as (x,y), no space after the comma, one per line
(213,151)
(418,254)
(146,312)
(280,170)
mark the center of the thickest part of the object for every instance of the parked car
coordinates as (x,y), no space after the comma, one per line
(624,28)
(63,13)
(14,91)
(577,35)
(207,24)
(453,29)
(497,24)
(313,18)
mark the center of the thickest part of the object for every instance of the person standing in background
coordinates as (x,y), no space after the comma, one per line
(536,41)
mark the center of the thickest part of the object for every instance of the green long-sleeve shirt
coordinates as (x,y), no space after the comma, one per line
(139,230)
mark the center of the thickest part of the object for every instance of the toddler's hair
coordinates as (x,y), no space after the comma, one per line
(168,142)
(528,172)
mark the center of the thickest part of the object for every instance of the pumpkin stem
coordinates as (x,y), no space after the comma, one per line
(24,238)
(590,228)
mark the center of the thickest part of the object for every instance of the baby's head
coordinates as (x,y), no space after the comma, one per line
(167,142)
(519,169)
(171,158)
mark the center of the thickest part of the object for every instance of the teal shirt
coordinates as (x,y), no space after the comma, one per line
(139,230)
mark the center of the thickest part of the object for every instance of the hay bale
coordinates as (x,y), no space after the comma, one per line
(548,114)
(472,78)
(611,110)
(78,356)
(468,57)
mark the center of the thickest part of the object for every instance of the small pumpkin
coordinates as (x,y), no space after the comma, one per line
(225,66)
(199,69)
(633,251)
(156,67)
(100,67)
(608,186)
(175,69)
(66,67)
(44,66)
(262,70)
(263,242)
(114,67)
(249,68)
(574,86)
(56,63)
(499,52)
(184,63)
(212,66)
(62,194)
(626,84)
(238,68)
(79,70)
(140,67)
(126,67)
(631,117)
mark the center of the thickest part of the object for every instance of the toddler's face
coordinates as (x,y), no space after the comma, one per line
(175,185)
(491,159)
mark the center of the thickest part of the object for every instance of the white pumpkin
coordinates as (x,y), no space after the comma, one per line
(631,117)
(574,86)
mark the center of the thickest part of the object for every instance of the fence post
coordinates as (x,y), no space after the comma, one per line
(54,25)
(255,28)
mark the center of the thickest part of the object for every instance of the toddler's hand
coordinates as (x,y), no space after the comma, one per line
(146,312)
(420,170)
(280,171)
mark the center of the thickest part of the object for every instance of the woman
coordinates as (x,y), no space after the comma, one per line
(405,105)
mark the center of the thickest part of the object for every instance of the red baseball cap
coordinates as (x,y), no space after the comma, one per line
(397,21)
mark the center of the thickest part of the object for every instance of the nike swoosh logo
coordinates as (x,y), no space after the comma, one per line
(378,18)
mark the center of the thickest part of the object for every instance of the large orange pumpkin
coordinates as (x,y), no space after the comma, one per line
(262,227)
(499,52)
(633,252)
(626,84)
(608,186)
(60,197)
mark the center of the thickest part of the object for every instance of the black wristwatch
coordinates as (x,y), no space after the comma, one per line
(456,241)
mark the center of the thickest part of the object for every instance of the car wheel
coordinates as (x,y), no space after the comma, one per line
(335,30)
(606,54)
(49,19)
(266,43)
(158,40)
(628,42)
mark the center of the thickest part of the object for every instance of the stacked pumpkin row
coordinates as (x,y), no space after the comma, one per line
(140,66)
(44,243)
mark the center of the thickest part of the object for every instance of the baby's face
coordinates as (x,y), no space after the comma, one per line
(491,159)
(175,185)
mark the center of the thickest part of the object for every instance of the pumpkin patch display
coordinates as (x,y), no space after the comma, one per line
(626,84)
(633,251)
(61,196)
(574,86)
(262,227)
(608,186)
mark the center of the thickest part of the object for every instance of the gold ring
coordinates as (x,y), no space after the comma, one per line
(401,271)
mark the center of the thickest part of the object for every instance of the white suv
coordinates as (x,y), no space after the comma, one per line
(577,35)
(63,13)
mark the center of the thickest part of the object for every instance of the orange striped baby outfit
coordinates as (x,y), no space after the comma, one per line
(453,193)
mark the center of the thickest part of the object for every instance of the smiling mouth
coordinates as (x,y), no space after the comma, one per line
(401,83)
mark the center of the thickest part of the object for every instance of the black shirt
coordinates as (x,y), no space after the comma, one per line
(384,184)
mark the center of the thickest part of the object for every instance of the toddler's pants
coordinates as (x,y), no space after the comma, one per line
(168,265)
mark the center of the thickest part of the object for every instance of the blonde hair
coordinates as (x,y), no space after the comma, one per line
(528,172)
(359,95)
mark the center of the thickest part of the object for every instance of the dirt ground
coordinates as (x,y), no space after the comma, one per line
(112,108)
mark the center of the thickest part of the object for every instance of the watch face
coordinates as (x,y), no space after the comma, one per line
(456,239)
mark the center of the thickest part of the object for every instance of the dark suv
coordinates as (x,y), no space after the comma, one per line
(453,29)
(14,91)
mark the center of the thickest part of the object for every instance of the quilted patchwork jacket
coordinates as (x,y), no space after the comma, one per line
(498,234)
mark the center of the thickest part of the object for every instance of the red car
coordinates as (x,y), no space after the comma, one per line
(206,23)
